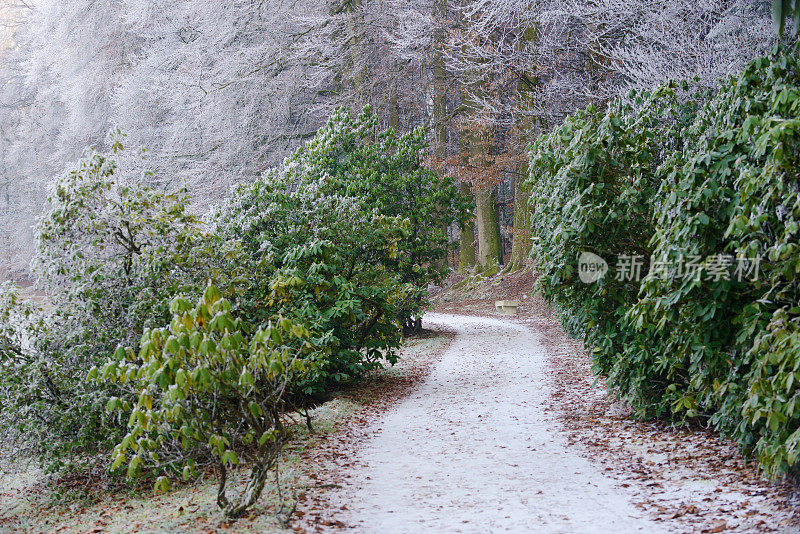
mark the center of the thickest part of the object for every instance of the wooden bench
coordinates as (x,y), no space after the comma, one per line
(506,307)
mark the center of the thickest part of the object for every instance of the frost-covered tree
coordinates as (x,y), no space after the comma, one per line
(209,93)
(523,65)
(219,90)
(16,207)
(216,91)
(576,52)
(62,72)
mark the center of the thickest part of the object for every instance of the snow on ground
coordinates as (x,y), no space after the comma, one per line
(473,450)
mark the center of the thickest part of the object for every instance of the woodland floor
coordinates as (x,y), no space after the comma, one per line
(689,480)
(31,502)
(510,432)
(488,424)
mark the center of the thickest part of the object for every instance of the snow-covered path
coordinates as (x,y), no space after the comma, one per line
(472,450)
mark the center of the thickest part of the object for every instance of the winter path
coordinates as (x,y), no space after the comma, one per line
(473,450)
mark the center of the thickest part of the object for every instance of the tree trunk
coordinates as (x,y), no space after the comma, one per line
(487,220)
(356,31)
(466,250)
(255,486)
(394,111)
(488,226)
(439,80)
(521,235)
(440,93)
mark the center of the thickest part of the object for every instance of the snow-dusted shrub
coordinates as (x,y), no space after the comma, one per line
(709,200)
(210,381)
(734,193)
(111,255)
(315,258)
(594,186)
(344,181)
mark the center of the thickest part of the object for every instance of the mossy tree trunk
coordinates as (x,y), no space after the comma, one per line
(521,234)
(487,220)
(466,251)
(488,228)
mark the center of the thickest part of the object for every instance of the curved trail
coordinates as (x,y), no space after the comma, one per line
(472,450)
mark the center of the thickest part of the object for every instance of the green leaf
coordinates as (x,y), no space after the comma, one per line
(161,485)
